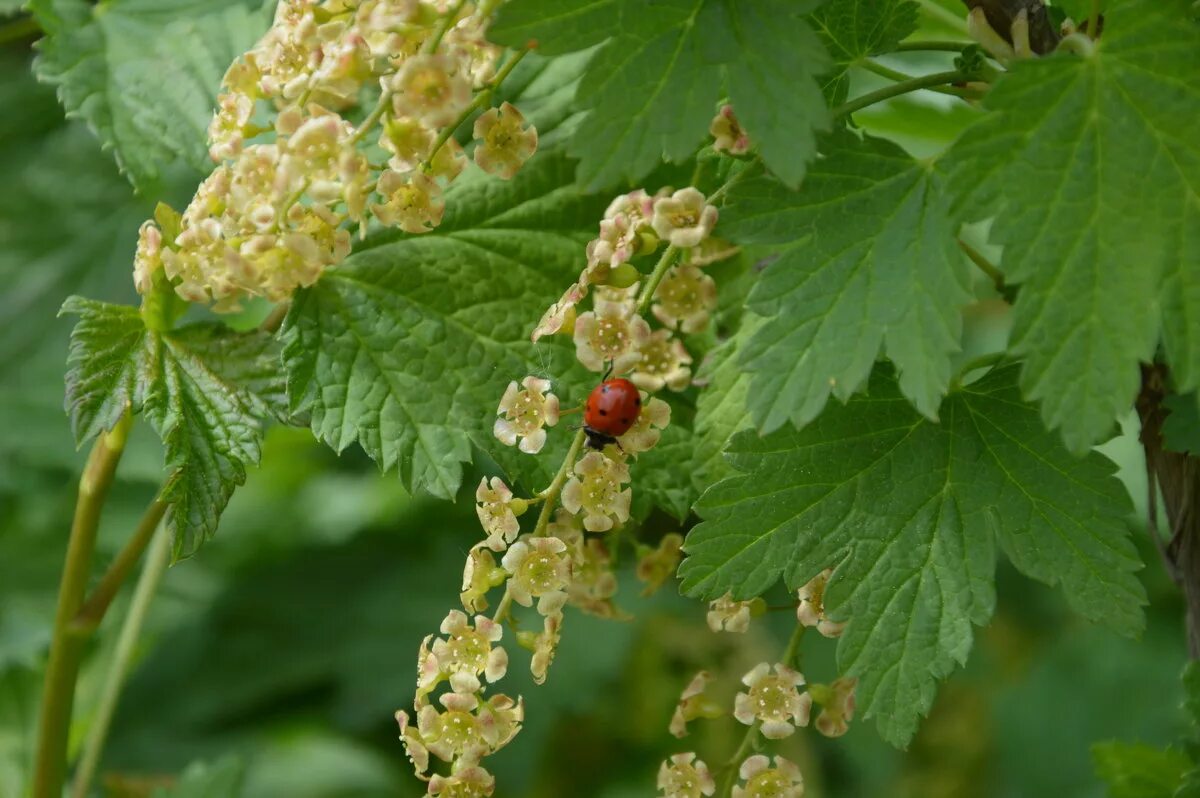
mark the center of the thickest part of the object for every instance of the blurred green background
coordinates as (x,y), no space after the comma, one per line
(286,644)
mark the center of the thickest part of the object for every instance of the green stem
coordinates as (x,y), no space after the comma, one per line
(984,265)
(895,90)
(157,559)
(381,108)
(66,649)
(660,269)
(900,77)
(19,29)
(556,485)
(444,25)
(1093,24)
(924,46)
(92,612)
(481,99)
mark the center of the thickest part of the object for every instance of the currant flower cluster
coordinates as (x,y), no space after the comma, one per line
(772,704)
(294,171)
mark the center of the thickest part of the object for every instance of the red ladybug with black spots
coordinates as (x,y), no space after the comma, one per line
(611,409)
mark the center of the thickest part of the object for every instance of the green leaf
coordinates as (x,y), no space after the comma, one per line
(558,26)
(772,83)
(650,93)
(408,345)
(1091,167)
(855,29)
(909,512)
(721,408)
(1139,771)
(872,266)
(205,389)
(144,74)
(222,779)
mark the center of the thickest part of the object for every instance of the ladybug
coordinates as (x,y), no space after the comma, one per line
(611,409)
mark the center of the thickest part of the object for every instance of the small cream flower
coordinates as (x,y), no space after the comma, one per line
(595,489)
(467,651)
(500,719)
(456,732)
(429,672)
(480,575)
(610,333)
(523,414)
(729,615)
(560,317)
(408,140)
(497,513)
(837,705)
(414,746)
(782,781)
(728,133)
(541,568)
(664,362)
(773,700)
(448,162)
(684,776)
(227,130)
(147,261)
(684,219)
(637,206)
(545,647)
(693,704)
(469,782)
(685,298)
(431,88)
(412,201)
(656,566)
(811,611)
(506,141)
(593,583)
(647,429)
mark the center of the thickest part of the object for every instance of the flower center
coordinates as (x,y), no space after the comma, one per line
(458,729)
(768,784)
(467,652)
(610,337)
(599,491)
(772,699)
(540,574)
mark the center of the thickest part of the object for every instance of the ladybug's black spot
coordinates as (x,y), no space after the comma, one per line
(626,421)
(604,412)
(637,400)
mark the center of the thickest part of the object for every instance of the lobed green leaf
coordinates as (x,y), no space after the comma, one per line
(909,513)
(871,266)
(1091,167)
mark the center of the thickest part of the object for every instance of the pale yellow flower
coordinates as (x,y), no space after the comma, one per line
(685,298)
(560,317)
(595,491)
(496,509)
(656,566)
(773,700)
(147,261)
(664,363)
(430,87)
(414,746)
(545,647)
(610,333)
(505,141)
(837,705)
(540,568)
(412,201)
(729,615)
(471,781)
(647,428)
(762,781)
(684,219)
(693,704)
(523,414)
(480,574)
(811,611)
(685,776)
(467,651)
(728,133)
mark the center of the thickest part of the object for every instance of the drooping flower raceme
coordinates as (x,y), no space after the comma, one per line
(293,173)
